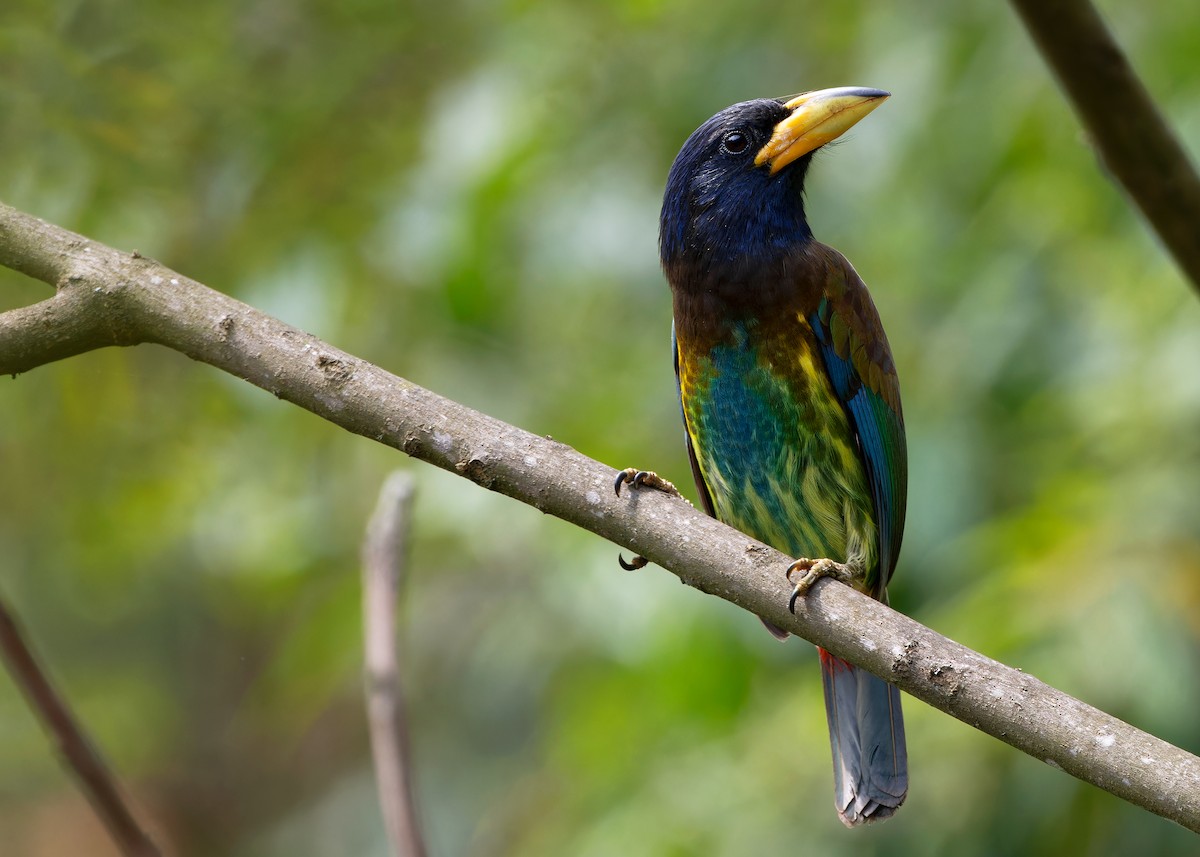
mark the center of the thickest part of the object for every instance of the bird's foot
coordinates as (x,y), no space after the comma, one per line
(810,571)
(637,479)
(644,478)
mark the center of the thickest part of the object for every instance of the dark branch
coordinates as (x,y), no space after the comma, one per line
(141,301)
(385,552)
(76,750)
(1132,137)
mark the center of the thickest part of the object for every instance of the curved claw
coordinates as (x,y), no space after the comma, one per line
(636,563)
(628,476)
(804,564)
(644,479)
(814,570)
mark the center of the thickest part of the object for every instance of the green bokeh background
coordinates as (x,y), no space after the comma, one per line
(466,193)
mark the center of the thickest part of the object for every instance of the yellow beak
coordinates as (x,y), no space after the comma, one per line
(816,118)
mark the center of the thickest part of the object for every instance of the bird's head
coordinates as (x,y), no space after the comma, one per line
(735,191)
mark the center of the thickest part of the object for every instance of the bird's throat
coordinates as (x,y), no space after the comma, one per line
(714,292)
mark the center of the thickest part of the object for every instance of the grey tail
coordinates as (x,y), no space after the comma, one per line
(866,732)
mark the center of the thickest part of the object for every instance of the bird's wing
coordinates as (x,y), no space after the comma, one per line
(859,362)
(701,485)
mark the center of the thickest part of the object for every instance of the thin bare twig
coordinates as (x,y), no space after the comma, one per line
(78,753)
(385,553)
(109,298)
(1129,132)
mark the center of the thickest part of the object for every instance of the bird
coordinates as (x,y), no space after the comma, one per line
(789,393)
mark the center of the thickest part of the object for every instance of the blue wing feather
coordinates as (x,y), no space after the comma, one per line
(880,432)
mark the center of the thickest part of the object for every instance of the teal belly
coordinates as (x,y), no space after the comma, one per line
(777,452)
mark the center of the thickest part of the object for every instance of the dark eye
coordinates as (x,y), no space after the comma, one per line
(735,142)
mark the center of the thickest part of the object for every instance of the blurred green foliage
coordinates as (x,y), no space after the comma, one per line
(467,194)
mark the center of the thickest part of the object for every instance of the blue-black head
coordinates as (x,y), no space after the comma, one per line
(734,196)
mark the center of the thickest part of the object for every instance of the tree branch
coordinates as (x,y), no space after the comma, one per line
(385,551)
(76,750)
(139,300)
(1130,134)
